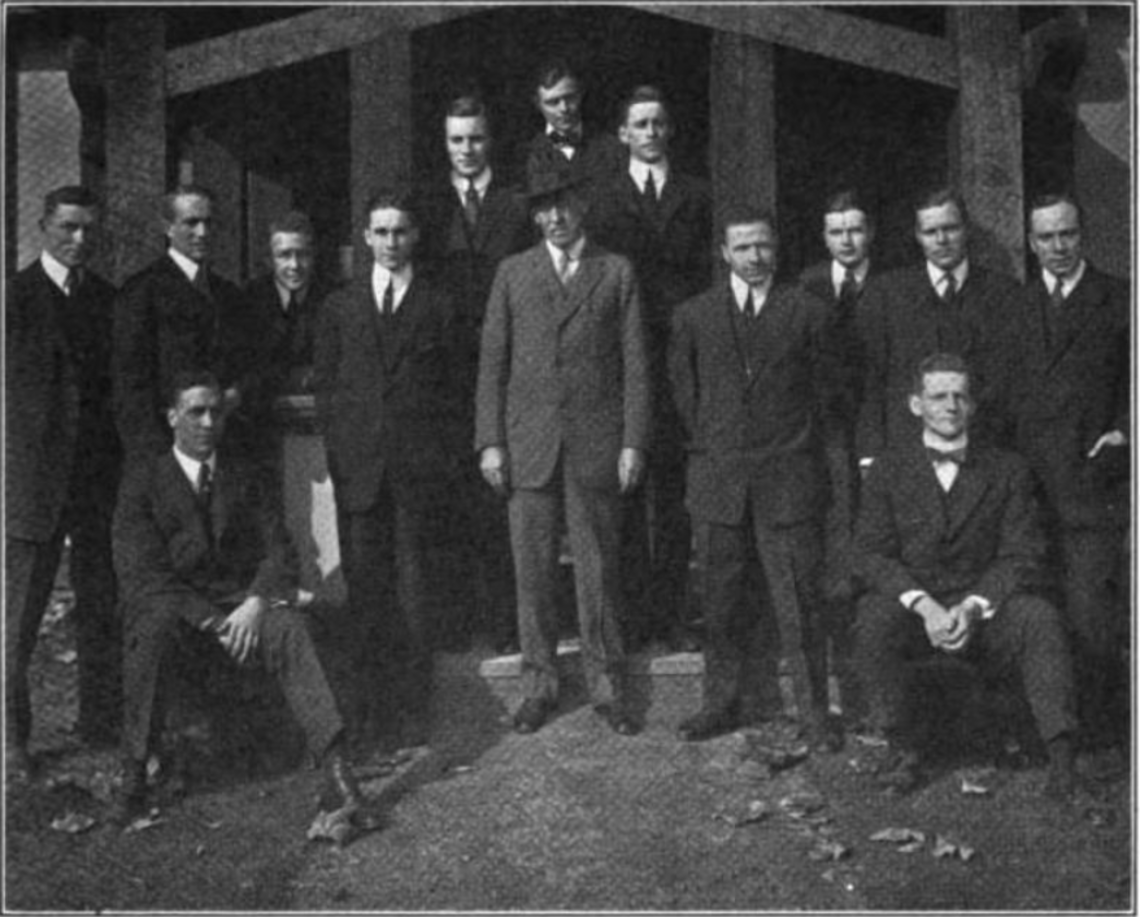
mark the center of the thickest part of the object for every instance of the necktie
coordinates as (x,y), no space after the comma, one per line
(751,310)
(560,140)
(849,288)
(471,204)
(202,281)
(957,456)
(950,291)
(1057,297)
(562,265)
(71,282)
(650,189)
(388,308)
(291,305)
(205,497)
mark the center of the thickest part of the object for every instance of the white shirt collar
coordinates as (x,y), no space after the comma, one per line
(56,271)
(574,252)
(482,180)
(284,293)
(740,291)
(639,171)
(1067,283)
(935,273)
(942,445)
(190,466)
(839,274)
(400,280)
(188,266)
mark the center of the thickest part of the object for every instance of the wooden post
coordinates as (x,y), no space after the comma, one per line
(742,114)
(986,147)
(380,93)
(136,138)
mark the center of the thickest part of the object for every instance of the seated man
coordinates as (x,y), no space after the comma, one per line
(205,565)
(946,541)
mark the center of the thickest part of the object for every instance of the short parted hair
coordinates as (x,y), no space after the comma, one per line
(940,197)
(746,215)
(640,94)
(294,222)
(185,379)
(1053,198)
(552,72)
(848,199)
(68,196)
(938,363)
(178,191)
(468,106)
(391,198)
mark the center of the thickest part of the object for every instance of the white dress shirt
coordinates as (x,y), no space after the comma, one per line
(400,280)
(740,291)
(640,171)
(188,266)
(191,467)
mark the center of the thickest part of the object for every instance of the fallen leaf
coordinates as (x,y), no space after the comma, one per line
(462,768)
(899,836)
(72,823)
(945,847)
(67,657)
(801,805)
(149,820)
(779,758)
(335,826)
(829,850)
(757,811)
(199,850)
(911,847)
(970,788)
(872,741)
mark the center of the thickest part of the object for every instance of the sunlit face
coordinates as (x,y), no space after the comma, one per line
(561,105)
(189,230)
(945,405)
(848,236)
(468,145)
(560,218)
(293,260)
(197,421)
(68,233)
(941,232)
(392,237)
(1055,237)
(749,249)
(646,131)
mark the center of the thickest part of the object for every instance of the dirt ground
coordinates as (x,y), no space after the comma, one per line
(571,818)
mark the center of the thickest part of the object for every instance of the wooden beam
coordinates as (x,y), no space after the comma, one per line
(986,146)
(290,41)
(838,36)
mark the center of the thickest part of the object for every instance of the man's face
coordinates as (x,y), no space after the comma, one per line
(468,145)
(749,249)
(197,421)
(392,237)
(560,218)
(1055,237)
(945,405)
(68,233)
(646,131)
(189,230)
(561,105)
(292,260)
(942,234)
(848,236)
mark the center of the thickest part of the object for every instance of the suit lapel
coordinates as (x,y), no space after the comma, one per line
(491,212)
(672,195)
(409,318)
(969,488)
(1078,316)
(177,488)
(723,325)
(577,292)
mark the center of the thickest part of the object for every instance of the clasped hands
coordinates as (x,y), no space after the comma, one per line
(949,629)
(493,465)
(239,632)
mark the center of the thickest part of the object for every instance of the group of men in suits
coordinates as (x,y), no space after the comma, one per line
(572,332)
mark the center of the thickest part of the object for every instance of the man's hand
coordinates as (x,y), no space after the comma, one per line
(241,630)
(936,619)
(1115,438)
(493,465)
(963,615)
(631,467)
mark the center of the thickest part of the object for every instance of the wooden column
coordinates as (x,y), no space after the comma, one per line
(742,107)
(136,138)
(986,147)
(380,94)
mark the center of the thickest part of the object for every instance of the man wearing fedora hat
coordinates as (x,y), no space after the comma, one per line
(562,422)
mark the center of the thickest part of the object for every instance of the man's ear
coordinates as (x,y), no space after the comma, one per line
(916,405)
(171,417)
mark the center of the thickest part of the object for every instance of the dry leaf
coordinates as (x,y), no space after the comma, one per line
(333,826)
(911,847)
(150,820)
(67,657)
(970,788)
(72,823)
(829,850)
(899,836)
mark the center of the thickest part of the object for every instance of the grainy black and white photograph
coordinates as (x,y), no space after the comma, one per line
(549,458)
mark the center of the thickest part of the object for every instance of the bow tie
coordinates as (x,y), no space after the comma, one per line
(958,456)
(560,139)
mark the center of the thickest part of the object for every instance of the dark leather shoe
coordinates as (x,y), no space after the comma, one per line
(708,724)
(618,718)
(130,800)
(532,714)
(822,736)
(346,793)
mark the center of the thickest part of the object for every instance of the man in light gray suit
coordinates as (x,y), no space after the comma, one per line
(562,422)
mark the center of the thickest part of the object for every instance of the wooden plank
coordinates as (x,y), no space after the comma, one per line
(838,36)
(986,151)
(290,41)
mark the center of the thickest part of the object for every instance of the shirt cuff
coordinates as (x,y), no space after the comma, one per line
(988,609)
(866,461)
(910,598)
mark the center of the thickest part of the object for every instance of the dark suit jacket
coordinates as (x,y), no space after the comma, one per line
(755,433)
(464,262)
(387,411)
(672,257)
(902,321)
(164,558)
(59,432)
(562,371)
(843,363)
(982,538)
(163,325)
(597,158)
(1067,393)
